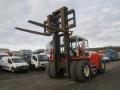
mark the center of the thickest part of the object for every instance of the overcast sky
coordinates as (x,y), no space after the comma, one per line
(97,20)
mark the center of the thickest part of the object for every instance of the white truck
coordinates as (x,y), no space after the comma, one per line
(13,64)
(39,61)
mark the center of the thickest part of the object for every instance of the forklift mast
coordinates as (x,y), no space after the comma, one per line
(58,25)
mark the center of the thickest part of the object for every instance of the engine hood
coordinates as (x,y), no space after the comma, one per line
(20,64)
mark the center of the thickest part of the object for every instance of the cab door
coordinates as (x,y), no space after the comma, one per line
(34,61)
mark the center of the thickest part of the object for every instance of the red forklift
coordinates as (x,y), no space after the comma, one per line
(69,54)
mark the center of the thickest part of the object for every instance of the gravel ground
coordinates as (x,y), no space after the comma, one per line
(37,80)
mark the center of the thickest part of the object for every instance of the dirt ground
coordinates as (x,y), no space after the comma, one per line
(38,80)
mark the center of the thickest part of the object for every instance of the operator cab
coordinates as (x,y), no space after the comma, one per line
(78,46)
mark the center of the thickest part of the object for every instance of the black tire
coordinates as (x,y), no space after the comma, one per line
(73,70)
(81,75)
(13,70)
(52,70)
(48,68)
(102,67)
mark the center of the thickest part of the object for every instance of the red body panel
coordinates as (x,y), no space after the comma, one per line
(95,59)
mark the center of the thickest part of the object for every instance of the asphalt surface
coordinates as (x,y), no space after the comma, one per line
(38,80)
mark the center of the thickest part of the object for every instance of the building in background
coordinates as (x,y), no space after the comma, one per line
(4,52)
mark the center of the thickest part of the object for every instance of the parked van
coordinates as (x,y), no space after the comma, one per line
(39,61)
(13,64)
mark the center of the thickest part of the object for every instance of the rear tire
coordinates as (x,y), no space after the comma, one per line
(73,70)
(83,71)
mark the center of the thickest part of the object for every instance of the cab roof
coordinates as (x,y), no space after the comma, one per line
(74,38)
(11,57)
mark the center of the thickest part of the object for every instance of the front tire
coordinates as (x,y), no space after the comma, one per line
(13,70)
(83,71)
(73,70)
(51,69)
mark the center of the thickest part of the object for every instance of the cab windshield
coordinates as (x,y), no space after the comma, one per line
(17,60)
(42,57)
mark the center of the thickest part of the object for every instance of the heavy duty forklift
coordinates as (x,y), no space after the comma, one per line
(69,55)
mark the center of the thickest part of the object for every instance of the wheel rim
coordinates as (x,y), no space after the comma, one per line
(86,70)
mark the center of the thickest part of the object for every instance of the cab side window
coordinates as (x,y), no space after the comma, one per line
(9,61)
(34,58)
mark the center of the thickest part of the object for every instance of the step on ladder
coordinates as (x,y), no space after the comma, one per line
(94,69)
